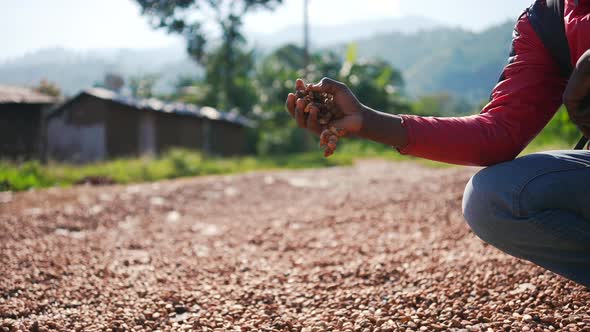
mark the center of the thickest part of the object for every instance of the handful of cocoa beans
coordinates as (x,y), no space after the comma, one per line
(327,113)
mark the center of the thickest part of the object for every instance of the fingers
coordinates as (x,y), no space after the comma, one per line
(299,113)
(290,104)
(330,147)
(332,143)
(328,152)
(324,137)
(327,85)
(312,118)
(329,140)
(299,84)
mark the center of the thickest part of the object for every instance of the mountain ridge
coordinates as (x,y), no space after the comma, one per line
(333,34)
(433,59)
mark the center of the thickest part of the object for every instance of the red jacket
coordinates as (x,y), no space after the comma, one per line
(526,98)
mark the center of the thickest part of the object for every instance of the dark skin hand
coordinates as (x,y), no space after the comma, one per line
(358,120)
(577,95)
(343,98)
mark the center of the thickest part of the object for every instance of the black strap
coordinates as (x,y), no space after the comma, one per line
(581,143)
(546,17)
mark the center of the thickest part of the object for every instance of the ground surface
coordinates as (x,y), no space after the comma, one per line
(376,247)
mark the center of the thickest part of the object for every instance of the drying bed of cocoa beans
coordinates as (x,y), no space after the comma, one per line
(375,247)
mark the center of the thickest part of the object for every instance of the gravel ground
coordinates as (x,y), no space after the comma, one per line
(375,247)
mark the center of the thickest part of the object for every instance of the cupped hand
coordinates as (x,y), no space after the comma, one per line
(344,100)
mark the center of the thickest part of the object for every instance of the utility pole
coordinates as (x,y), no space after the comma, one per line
(306,36)
(307,138)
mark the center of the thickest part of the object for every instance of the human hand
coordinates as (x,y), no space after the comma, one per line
(344,100)
(577,95)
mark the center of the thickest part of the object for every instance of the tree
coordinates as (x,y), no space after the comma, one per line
(374,81)
(224,61)
(229,82)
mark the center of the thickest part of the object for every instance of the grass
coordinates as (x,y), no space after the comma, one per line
(183,163)
(175,164)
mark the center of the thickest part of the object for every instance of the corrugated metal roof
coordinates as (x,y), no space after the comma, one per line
(157,105)
(22,95)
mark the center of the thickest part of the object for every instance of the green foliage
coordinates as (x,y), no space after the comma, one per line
(377,84)
(374,82)
(229,76)
(560,133)
(228,64)
(222,87)
(443,104)
(189,18)
(176,163)
(183,163)
(21,177)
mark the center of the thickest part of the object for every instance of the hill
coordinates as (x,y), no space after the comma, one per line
(74,70)
(334,34)
(453,60)
(432,58)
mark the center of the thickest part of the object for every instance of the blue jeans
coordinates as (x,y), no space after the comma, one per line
(536,208)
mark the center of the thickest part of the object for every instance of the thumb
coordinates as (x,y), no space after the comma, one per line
(327,85)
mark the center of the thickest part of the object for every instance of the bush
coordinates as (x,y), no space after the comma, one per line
(22,177)
(173,164)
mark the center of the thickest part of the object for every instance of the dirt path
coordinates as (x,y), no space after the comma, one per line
(376,247)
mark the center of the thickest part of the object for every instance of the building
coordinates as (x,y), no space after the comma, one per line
(21,122)
(99,124)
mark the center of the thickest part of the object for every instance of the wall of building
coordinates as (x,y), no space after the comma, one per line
(227,139)
(20,131)
(122,130)
(147,134)
(89,129)
(78,133)
(173,130)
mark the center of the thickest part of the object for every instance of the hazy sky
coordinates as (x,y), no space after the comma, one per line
(27,25)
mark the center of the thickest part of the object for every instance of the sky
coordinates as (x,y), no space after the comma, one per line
(28,25)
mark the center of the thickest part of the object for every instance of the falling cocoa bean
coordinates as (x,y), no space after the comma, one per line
(327,112)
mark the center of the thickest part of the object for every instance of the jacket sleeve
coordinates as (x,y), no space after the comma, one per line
(525,99)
